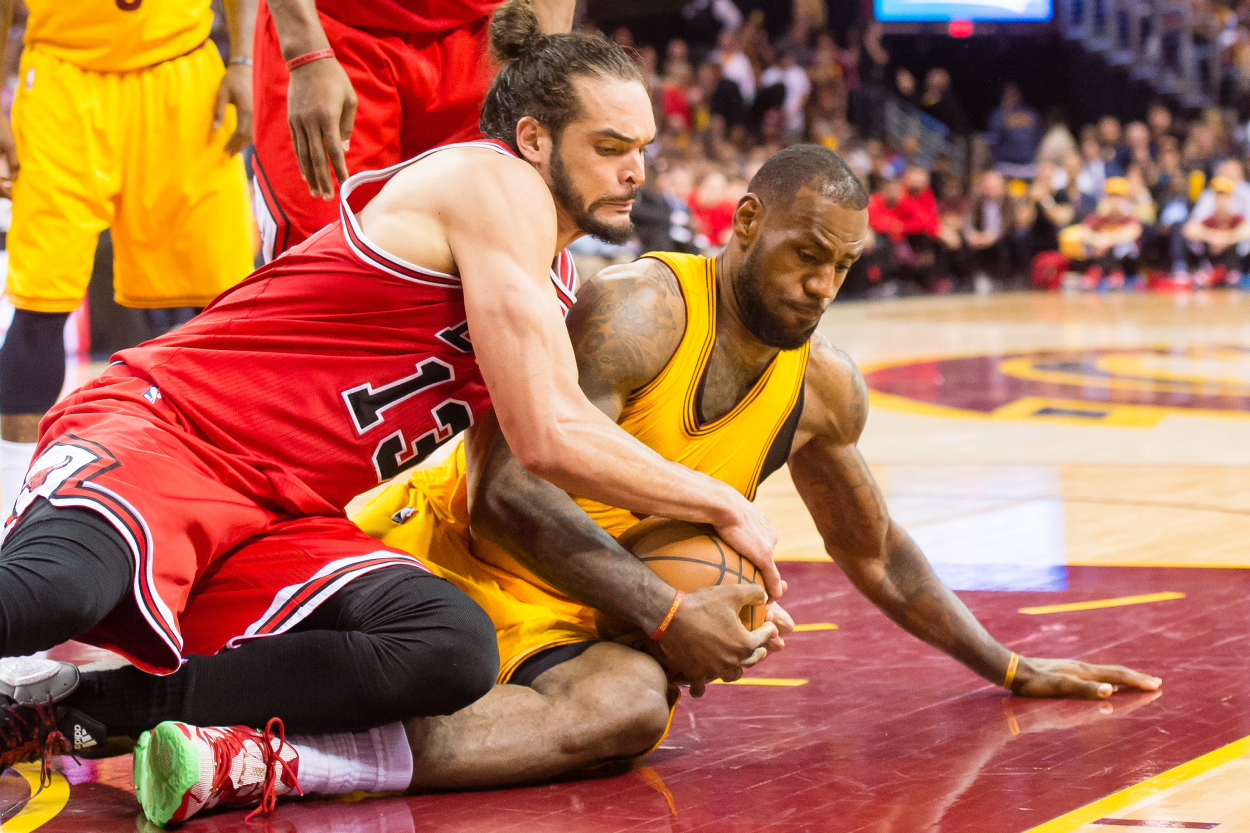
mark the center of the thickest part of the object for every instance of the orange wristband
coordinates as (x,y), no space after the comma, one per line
(1011,670)
(308,58)
(668,617)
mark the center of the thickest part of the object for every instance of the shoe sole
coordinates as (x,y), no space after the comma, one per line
(166,766)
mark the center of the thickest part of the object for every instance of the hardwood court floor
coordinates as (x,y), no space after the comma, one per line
(1079,469)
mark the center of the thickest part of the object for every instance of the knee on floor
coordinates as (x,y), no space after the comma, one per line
(623,714)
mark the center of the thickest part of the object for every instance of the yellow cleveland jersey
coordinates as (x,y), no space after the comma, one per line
(740,448)
(117,35)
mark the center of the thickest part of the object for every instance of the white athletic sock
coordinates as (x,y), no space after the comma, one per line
(15,459)
(376,761)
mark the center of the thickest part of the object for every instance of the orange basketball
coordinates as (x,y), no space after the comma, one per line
(689,557)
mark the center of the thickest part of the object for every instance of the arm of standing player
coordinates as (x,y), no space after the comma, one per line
(320,101)
(555,15)
(625,328)
(236,84)
(8,148)
(885,564)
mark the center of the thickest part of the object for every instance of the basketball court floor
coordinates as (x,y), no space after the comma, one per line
(1079,469)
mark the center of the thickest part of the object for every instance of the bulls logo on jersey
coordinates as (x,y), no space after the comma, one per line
(35,481)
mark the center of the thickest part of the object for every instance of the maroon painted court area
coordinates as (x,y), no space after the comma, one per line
(978,383)
(887,735)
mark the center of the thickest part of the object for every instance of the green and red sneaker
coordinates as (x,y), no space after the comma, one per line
(180,770)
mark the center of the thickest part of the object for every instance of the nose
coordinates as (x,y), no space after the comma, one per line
(634,171)
(823,283)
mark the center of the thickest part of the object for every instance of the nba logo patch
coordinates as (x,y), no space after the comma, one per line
(152,394)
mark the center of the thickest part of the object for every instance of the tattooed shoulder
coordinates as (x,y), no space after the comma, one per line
(626,324)
(836,393)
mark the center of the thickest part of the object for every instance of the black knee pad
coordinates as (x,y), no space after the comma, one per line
(32,362)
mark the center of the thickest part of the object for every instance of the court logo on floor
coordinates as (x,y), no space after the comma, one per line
(1113,386)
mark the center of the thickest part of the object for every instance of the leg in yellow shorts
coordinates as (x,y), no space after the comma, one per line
(134,152)
(603,703)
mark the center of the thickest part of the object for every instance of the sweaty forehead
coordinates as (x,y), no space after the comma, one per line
(836,226)
(614,105)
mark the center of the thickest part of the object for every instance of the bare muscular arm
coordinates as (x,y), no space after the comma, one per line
(625,327)
(881,559)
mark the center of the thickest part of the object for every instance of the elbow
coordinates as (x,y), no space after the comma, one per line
(543,453)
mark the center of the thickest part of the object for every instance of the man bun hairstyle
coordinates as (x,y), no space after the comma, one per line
(537,72)
(515,31)
(811,166)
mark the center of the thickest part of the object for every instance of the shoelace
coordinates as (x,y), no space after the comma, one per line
(273,760)
(17,732)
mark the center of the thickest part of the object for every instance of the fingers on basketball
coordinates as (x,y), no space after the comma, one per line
(691,557)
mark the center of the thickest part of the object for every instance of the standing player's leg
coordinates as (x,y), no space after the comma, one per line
(62,200)
(183,234)
(285,210)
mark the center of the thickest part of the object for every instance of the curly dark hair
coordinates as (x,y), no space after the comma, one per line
(536,78)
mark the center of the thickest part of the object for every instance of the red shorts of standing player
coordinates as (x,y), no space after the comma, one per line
(405,76)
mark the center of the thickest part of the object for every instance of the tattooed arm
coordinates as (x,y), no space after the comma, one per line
(883,561)
(625,327)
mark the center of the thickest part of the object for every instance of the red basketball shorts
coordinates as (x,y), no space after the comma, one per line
(217,559)
(414,92)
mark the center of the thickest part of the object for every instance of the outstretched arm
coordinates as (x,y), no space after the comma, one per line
(885,564)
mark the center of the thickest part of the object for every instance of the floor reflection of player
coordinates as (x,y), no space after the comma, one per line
(709,363)
(212,465)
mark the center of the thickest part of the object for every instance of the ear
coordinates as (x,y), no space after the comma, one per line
(533,141)
(748,219)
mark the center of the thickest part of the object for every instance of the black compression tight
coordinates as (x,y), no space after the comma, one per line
(395,643)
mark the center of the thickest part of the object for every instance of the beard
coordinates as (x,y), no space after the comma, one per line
(758,317)
(574,204)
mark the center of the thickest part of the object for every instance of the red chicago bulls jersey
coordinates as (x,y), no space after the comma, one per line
(418,16)
(336,366)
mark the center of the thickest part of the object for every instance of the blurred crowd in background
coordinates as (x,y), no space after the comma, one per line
(1024,198)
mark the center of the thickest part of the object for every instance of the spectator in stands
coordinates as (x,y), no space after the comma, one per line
(1107,243)
(1114,152)
(1220,241)
(1137,141)
(1058,140)
(675,99)
(661,216)
(787,72)
(1199,152)
(1081,202)
(1159,120)
(1094,169)
(1050,208)
(1015,131)
(735,65)
(934,245)
(988,228)
(720,97)
(712,205)
(868,103)
(905,85)
(938,100)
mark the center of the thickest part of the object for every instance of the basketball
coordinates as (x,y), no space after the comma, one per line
(689,557)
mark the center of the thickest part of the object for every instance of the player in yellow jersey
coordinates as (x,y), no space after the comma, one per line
(125,118)
(715,363)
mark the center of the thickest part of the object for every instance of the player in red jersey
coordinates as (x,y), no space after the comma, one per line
(397,77)
(201,506)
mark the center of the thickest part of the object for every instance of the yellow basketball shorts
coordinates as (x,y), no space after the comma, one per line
(134,152)
(427,516)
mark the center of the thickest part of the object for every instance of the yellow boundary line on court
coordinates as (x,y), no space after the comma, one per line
(1097,604)
(1131,795)
(772,681)
(44,806)
(815,626)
